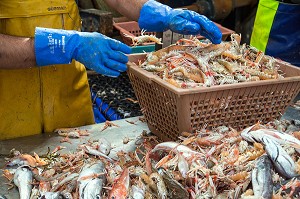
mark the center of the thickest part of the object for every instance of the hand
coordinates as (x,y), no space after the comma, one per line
(155,16)
(102,54)
(96,51)
(191,23)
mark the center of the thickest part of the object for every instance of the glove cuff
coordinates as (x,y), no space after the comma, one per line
(154,16)
(54,46)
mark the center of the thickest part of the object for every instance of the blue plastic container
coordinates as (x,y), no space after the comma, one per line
(142,49)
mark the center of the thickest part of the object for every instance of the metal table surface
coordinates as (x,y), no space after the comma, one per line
(128,128)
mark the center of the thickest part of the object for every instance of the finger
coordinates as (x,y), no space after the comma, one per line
(183,26)
(118,56)
(106,71)
(204,22)
(212,38)
(208,28)
(115,65)
(119,46)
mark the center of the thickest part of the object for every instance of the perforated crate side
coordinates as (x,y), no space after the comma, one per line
(159,106)
(236,107)
(240,107)
(131,28)
(169,112)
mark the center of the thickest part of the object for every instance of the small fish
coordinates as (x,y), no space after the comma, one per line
(23,159)
(93,189)
(88,175)
(71,186)
(177,148)
(102,145)
(253,136)
(64,181)
(137,192)
(178,190)
(51,195)
(120,188)
(161,187)
(280,137)
(183,165)
(23,180)
(262,178)
(282,161)
(66,195)
(35,193)
(3,196)
(283,138)
(95,152)
(246,133)
(17,162)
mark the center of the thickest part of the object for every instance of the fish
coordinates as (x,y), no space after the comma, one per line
(66,195)
(35,193)
(282,161)
(22,159)
(284,138)
(161,187)
(93,189)
(137,192)
(183,165)
(261,175)
(102,145)
(51,195)
(88,175)
(178,190)
(23,180)
(3,196)
(253,136)
(95,152)
(280,137)
(67,192)
(177,148)
(71,186)
(17,162)
(120,189)
(65,180)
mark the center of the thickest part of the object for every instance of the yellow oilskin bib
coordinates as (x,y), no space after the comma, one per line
(41,99)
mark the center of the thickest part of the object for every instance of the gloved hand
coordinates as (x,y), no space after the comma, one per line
(155,16)
(96,51)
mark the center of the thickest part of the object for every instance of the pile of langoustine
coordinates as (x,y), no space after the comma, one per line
(191,63)
(261,161)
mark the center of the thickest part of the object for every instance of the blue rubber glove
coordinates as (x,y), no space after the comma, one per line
(96,51)
(155,16)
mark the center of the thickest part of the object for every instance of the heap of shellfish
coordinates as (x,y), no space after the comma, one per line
(261,161)
(191,63)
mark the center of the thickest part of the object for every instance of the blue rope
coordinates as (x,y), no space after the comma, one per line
(102,111)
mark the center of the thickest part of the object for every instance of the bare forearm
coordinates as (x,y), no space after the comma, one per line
(129,8)
(16,52)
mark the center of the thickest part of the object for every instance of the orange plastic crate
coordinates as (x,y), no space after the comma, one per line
(170,110)
(132,28)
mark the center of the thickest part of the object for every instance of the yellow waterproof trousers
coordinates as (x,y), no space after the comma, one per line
(41,99)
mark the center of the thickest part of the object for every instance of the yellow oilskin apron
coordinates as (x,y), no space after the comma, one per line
(41,99)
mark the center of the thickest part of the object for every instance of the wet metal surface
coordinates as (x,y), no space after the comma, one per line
(128,128)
